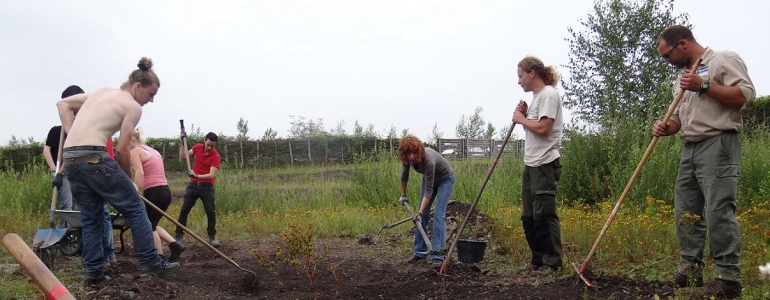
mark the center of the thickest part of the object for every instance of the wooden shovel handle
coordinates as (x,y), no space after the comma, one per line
(35,268)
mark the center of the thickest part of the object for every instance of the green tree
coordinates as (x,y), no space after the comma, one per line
(490,132)
(471,127)
(270,134)
(339,130)
(243,129)
(616,73)
(302,127)
(435,135)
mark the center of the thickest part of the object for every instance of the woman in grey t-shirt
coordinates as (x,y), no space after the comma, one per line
(437,183)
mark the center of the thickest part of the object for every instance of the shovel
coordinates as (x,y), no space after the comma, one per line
(419,227)
(45,238)
(442,271)
(582,268)
(391,225)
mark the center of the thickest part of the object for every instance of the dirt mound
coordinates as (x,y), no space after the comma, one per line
(478,226)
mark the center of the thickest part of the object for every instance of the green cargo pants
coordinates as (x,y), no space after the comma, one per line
(706,188)
(538,217)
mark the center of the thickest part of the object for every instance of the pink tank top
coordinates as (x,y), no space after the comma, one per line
(154,174)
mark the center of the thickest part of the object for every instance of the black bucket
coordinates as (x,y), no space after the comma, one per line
(471,251)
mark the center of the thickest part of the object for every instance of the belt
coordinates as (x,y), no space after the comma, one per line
(90,158)
(86,148)
(201,183)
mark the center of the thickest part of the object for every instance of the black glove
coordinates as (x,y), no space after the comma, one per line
(192,174)
(183,135)
(58,180)
(418,218)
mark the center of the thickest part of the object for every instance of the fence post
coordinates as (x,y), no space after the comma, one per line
(291,156)
(310,159)
(256,163)
(275,143)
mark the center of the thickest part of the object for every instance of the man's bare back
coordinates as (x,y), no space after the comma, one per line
(100,114)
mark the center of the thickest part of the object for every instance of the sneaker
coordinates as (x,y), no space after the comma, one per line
(544,271)
(415,259)
(214,242)
(683,280)
(436,264)
(163,268)
(176,250)
(720,289)
(529,267)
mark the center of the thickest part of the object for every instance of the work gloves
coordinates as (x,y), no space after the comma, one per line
(182,135)
(418,218)
(403,200)
(58,180)
(192,174)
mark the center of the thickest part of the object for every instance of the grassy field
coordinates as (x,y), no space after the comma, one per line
(351,200)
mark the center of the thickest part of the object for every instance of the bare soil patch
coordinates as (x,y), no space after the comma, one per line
(361,271)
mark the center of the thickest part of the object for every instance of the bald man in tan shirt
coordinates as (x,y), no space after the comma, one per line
(709,117)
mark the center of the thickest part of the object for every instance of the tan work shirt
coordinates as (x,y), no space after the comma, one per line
(701,117)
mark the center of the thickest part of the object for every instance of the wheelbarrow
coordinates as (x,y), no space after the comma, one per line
(72,241)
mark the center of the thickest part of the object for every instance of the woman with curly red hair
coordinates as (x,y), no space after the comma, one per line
(437,183)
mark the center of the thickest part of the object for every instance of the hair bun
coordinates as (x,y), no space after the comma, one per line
(145,64)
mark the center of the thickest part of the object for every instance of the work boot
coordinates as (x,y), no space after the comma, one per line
(176,250)
(683,280)
(720,289)
(414,259)
(163,268)
(178,236)
(529,267)
(213,242)
(94,283)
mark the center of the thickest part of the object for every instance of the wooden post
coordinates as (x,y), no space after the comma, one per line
(275,142)
(35,268)
(291,155)
(310,159)
(256,163)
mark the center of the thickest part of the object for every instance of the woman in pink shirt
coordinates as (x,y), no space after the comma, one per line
(150,176)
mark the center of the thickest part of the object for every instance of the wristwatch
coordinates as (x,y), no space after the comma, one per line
(703,87)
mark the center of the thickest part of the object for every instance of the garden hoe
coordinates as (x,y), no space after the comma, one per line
(582,268)
(419,226)
(473,205)
(198,238)
(389,226)
(183,135)
(45,238)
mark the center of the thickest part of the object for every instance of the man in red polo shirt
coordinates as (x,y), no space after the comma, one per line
(201,186)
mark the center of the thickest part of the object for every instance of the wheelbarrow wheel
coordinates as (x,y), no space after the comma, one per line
(71,243)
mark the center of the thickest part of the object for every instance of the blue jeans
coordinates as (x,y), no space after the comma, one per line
(93,184)
(441,193)
(108,242)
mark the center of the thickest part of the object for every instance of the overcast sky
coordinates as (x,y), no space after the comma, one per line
(409,64)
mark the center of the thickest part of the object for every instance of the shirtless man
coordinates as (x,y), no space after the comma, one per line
(96,178)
